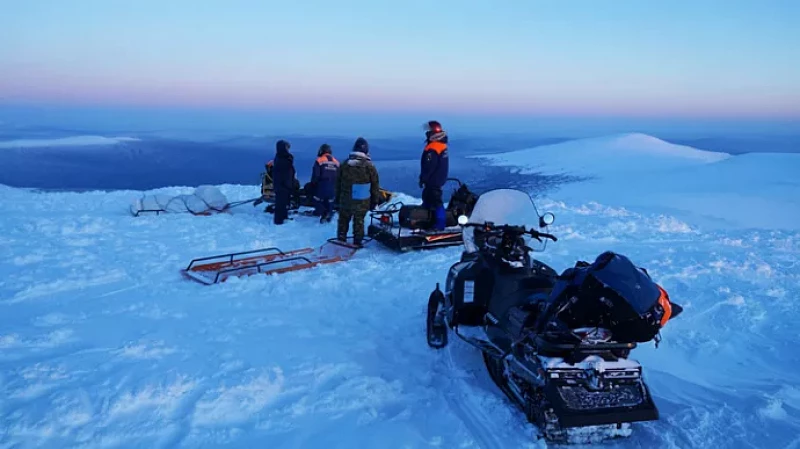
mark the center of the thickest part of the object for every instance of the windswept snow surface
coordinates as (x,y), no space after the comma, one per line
(103,343)
(74,141)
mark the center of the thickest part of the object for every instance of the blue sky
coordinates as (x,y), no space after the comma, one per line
(591,58)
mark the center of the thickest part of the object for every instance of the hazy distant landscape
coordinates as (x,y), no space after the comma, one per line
(53,149)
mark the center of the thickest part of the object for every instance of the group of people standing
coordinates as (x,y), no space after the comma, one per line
(353,186)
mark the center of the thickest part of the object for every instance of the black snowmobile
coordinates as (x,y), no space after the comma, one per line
(404,227)
(556,345)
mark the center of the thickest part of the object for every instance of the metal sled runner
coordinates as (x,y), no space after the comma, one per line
(219,268)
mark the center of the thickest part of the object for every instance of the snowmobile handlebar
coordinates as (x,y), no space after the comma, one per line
(492,228)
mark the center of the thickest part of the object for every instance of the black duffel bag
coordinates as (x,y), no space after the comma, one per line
(415,217)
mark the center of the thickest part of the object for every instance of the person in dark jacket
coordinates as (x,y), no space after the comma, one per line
(434,170)
(357,191)
(283,180)
(323,183)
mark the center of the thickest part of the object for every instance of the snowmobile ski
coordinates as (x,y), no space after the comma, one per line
(219,268)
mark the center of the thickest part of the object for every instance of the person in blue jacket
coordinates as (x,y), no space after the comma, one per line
(283,179)
(323,182)
(434,170)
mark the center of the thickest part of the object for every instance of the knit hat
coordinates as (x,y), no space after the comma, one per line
(361,145)
(324,149)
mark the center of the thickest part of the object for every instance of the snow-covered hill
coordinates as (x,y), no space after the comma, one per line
(103,343)
(618,155)
(643,173)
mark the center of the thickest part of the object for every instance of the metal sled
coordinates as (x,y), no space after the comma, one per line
(219,268)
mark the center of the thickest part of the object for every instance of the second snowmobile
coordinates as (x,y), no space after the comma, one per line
(404,227)
(557,345)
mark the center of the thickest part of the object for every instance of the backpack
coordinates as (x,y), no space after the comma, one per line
(462,202)
(415,217)
(614,294)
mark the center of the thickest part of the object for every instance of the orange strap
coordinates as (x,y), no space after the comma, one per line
(663,299)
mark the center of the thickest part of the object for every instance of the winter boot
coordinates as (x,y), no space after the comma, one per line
(441,218)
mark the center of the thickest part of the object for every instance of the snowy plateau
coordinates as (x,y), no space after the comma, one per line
(104,344)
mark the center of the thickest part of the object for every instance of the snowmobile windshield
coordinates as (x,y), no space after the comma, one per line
(503,207)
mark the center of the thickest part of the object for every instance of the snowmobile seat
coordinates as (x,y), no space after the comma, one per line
(537,283)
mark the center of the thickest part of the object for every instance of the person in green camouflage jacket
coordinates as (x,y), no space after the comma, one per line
(357,191)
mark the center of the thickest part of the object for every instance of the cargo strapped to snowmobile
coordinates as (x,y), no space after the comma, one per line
(385,227)
(403,227)
(272,260)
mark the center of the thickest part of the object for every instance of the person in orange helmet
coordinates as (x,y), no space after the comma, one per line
(434,171)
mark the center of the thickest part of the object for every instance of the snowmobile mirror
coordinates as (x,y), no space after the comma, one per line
(462,220)
(546,219)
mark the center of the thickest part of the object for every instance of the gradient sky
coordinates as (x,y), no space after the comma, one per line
(706,58)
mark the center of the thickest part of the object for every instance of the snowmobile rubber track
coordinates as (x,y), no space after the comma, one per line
(265,261)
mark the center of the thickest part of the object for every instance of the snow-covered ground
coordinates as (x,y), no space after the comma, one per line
(104,344)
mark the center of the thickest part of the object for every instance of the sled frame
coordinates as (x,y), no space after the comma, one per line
(220,267)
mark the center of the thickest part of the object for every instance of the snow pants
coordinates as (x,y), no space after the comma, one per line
(282,199)
(343,225)
(432,199)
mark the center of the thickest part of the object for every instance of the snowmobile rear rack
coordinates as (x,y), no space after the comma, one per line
(266,261)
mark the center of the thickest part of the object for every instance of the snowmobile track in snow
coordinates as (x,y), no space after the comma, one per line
(460,399)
